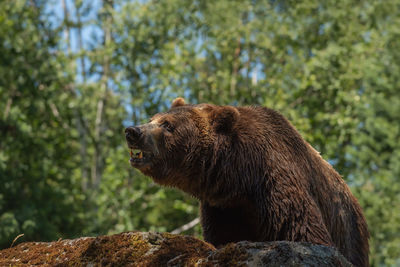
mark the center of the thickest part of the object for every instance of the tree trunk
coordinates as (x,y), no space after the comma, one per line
(97,164)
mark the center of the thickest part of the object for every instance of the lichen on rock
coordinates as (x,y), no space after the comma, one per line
(165,249)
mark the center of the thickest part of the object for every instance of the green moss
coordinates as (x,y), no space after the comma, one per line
(168,235)
(140,247)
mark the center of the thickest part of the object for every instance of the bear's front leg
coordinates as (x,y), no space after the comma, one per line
(222,225)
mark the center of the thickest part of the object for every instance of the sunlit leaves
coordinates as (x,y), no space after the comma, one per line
(331,67)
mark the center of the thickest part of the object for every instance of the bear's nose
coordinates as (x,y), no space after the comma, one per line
(132,132)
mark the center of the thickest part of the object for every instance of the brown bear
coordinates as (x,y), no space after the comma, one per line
(256,178)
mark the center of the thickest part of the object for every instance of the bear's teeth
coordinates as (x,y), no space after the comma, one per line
(136,154)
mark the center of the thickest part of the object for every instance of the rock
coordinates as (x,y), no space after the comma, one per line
(125,249)
(164,249)
(275,254)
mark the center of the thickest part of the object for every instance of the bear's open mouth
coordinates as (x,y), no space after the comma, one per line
(139,157)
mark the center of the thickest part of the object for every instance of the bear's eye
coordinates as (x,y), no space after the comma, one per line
(167,126)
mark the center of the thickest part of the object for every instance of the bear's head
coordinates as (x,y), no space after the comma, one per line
(174,146)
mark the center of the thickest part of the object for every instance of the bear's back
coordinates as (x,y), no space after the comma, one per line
(290,155)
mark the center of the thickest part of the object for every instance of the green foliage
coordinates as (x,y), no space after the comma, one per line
(332,67)
(38,196)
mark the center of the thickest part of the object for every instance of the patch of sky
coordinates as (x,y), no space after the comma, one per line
(289,50)
(324,27)
(254,69)
(91,34)
(128,121)
(367,36)
(333,162)
(199,44)
(258,70)
(186,94)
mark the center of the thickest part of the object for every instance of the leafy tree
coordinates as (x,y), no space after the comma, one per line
(38,197)
(331,67)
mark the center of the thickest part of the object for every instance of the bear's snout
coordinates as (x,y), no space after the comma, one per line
(140,137)
(133,133)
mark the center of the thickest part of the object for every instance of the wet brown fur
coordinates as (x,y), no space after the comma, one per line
(257,179)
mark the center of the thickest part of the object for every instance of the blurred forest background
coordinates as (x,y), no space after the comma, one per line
(74,73)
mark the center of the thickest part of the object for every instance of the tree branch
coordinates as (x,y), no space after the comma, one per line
(186,227)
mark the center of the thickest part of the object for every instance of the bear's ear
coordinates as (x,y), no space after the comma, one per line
(224,118)
(178,102)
